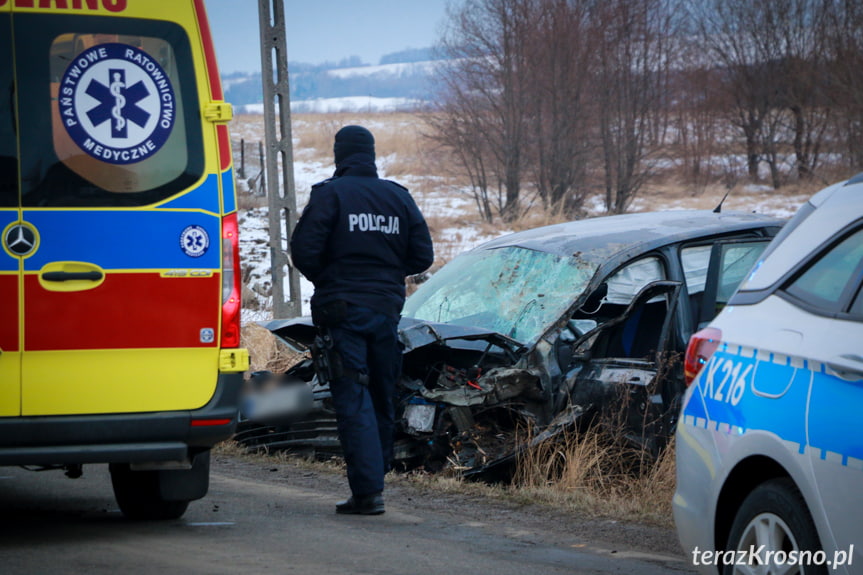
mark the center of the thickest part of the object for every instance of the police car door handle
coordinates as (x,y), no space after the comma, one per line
(71,276)
(852,357)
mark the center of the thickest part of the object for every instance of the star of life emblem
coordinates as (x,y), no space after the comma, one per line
(194,241)
(117,103)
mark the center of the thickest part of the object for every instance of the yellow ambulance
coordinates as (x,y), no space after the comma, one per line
(119,267)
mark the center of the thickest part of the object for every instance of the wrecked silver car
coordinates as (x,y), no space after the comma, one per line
(533,333)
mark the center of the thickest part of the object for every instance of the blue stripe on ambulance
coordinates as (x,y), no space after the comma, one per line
(742,390)
(7,262)
(122,239)
(204,197)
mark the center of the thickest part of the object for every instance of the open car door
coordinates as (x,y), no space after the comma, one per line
(625,372)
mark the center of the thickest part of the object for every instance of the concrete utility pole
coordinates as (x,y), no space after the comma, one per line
(282,199)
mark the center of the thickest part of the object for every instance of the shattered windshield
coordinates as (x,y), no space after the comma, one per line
(514,291)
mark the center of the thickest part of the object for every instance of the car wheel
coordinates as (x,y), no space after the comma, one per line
(771,528)
(139,494)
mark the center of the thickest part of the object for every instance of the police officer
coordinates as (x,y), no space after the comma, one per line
(356,241)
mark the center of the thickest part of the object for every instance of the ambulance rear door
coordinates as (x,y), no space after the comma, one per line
(121,296)
(10,263)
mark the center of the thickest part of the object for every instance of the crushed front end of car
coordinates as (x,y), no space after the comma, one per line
(463,394)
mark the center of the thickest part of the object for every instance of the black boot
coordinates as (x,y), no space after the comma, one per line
(365,505)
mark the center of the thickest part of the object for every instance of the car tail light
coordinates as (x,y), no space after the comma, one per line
(230,282)
(701,347)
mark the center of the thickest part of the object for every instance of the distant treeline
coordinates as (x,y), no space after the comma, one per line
(313,81)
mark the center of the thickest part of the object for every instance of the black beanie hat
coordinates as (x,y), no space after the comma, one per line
(352,140)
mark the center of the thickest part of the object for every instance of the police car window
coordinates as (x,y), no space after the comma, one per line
(110,113)
(825,281)
(8,144)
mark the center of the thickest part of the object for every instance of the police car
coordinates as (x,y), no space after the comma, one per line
(769,452)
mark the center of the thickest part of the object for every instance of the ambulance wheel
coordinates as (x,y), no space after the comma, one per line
(775,520)
(139,494)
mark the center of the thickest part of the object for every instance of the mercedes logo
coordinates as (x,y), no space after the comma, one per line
(20,239)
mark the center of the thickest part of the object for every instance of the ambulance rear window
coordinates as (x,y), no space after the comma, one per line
(8,145)
(109,111)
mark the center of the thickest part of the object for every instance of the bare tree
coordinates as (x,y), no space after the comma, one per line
(560,56)
(461,135)
(632,78)
(484,84)
(774,54)
(844,35)
(720,23)
(795,43)
(697,119)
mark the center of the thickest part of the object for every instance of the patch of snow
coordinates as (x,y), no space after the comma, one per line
(757,188)
(345,104)
(397,70)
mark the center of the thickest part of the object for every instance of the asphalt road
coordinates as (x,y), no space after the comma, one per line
(279,518)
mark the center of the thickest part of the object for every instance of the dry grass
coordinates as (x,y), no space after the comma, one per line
(669,191)
(601,473)
(267,353)
(231,448)
(399,143)
(536,216)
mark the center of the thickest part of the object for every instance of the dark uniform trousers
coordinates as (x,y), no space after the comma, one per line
(368,344)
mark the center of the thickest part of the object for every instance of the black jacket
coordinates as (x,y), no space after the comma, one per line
(359,236)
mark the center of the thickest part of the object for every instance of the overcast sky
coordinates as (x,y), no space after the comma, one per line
(326,30)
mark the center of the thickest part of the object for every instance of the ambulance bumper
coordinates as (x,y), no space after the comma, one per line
(124,437)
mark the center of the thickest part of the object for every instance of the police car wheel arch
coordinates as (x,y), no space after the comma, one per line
(778,504)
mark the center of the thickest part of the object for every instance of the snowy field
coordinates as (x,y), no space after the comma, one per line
(452,210)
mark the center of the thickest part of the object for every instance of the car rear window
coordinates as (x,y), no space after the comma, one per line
(108,111)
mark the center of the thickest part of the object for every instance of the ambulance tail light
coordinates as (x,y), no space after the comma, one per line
(701,348)
(231,290)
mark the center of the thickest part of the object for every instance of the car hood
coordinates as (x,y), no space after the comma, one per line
(298,333)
